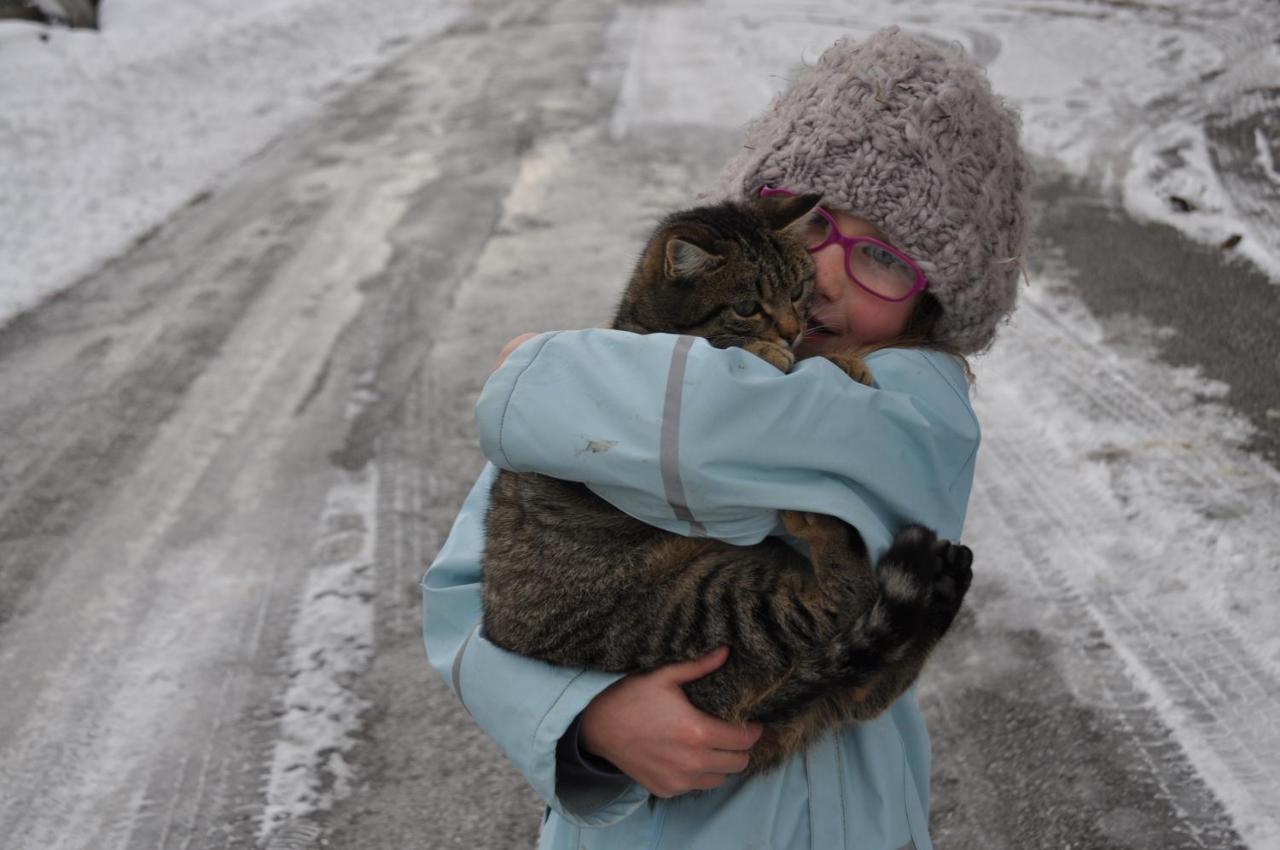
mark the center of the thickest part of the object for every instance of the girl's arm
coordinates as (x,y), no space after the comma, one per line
(523,704)
(658,737)
(700,440)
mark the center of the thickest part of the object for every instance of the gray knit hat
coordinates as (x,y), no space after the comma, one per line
(914,140)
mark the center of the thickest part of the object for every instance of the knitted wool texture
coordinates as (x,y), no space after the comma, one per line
(915,141)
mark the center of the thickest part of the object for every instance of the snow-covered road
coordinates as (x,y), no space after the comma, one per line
(103,135)
(226,456)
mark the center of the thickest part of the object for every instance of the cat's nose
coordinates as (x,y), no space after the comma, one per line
(790,326)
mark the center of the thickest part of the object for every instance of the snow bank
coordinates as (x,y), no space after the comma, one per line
(103,135)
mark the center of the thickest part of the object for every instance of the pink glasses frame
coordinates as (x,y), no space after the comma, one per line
(848,242)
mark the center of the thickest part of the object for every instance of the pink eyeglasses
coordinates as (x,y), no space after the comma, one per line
(876,266)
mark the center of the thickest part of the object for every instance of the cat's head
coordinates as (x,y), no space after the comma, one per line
(730,272)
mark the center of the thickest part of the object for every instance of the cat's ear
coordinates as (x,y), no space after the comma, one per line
(685,259)
(784,212)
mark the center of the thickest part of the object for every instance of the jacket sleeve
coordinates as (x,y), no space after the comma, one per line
(524,705)
(707,441)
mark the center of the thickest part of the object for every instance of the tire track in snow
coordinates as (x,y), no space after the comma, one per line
(1133,511)
(331,646)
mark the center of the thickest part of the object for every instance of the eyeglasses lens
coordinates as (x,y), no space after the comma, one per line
(881,270)
(816,229)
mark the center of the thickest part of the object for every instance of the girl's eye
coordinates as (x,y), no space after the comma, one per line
(816,229)
(884,257)
(747,309)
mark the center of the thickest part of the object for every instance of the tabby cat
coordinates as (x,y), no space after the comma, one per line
(814,642)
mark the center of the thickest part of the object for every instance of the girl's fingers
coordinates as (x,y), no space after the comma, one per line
(725,762)
(688,671)
(511,346)
(721,735)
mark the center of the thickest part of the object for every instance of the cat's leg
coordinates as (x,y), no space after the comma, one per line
(927,603)
(834,668)
(778,611)
(811,605)
(844,583)
(921,584)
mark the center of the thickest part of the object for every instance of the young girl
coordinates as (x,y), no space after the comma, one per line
(917,254)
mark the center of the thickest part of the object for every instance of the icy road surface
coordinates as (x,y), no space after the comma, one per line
(227,456)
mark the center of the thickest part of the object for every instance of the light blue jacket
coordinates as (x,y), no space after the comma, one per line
(699,441)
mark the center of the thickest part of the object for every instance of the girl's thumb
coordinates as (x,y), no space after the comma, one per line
(687,671)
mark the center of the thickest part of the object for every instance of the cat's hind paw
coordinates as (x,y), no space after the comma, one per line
(950,584)
(907,570)
(927,574)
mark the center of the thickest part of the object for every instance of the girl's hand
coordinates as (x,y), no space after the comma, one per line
(510,347)
(647,727)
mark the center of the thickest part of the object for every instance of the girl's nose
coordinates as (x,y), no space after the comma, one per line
(827,283)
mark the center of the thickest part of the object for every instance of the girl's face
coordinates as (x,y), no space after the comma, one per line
(842,315)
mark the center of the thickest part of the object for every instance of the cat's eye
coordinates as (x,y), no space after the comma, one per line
(747,309)
(798,292)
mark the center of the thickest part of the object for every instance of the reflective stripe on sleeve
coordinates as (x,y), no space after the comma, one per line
(669,449)
(456,669)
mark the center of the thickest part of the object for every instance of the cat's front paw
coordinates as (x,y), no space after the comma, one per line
(777,355)
(853,366)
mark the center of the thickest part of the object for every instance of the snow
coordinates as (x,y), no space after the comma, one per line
(1144,504)
(331,646)
(1265,160)
(1174,162)
(103,135)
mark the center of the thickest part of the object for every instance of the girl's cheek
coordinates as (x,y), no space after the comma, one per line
(872,319)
